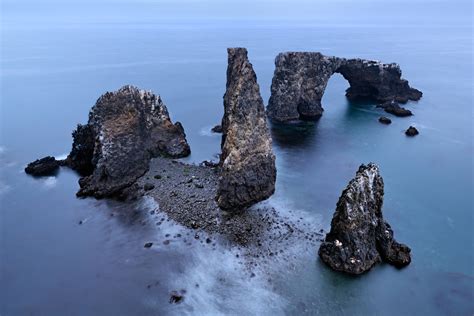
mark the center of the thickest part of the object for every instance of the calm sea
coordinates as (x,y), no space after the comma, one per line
(57,58)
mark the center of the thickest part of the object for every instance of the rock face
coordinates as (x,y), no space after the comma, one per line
(125,130)
(43,167)
(300,79)
(359,236)
(247,165)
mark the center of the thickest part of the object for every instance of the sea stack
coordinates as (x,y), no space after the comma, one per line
(126,128)
(359,236)
(300,79)
(247,163)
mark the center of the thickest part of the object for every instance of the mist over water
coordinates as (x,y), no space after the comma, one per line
(57,58)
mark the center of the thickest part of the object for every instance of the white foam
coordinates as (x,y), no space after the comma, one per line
(50,182)
(206,131)
(61,157)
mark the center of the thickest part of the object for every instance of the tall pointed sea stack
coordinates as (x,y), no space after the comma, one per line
(247,162)
(359,236)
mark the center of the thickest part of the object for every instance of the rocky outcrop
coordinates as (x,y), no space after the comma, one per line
(247,163)
(300,79)
(385,120)
(411,131)
(46,166)
(125,130)
(359,236)
(394,108)
(217,129)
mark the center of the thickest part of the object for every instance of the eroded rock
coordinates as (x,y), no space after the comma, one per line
(43,167)
(359,236)
(411,131)
(394,108)
(125,130)
(247,163)
(300,79)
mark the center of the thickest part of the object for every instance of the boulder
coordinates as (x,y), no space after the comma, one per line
(411,131)
(46,166)
(385,120)
(247,163)
(359,237)
(394,108)
(125,130)
(217,129)
(300,79)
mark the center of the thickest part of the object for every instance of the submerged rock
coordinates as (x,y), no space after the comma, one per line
(247,163)
(300,79)
(359,236)
(125,130)
(411,131)
(43,167)
(385,120)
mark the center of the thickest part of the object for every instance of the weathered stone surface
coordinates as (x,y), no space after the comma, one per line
(394,108)
(411,131)
(247,165)
(125,130)
(359,236)
(300,79)
(43,167)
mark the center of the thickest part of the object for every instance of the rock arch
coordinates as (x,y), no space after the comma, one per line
(300,79)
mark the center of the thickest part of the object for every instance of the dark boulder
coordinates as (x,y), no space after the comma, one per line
(385,120)
(46,166)
(125,130)
(300,79)
(217,129)
(359,236)
(247,163)
(411,131)
(394,108)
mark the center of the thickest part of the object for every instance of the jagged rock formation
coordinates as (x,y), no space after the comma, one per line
(247,165)
(125,130)
(411,131)
(359,236)
(43,167)
(300,79)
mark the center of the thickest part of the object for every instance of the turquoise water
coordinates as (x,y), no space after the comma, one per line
(57,59)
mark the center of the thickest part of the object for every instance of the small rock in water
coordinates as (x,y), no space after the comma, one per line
(385,120)
(157,176)
(394,108)
(148,186)
(148,245)
(208,240)
(217,129)
(411,131)
(175,297)
(43,167)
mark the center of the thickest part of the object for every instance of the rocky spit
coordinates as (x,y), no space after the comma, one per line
(300,79)
(359,237)
(247,163)
(186,194)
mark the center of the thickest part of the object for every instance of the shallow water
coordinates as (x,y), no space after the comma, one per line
(56,60)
